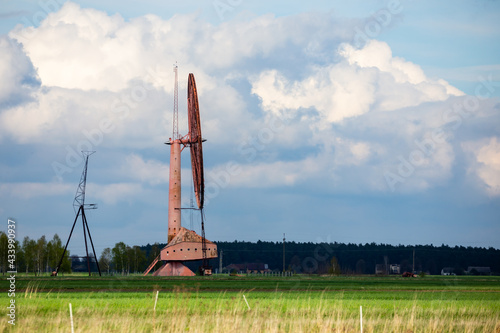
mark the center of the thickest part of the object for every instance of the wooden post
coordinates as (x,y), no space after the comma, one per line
(283,252)
(361,318)
(71,318)
(246,302)
(156,300)
(413,268)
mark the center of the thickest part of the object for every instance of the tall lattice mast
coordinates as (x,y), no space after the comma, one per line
(175,134)
(79,206)
(80,192)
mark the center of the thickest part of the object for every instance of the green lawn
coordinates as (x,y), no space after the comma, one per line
(304,304)
(218,283)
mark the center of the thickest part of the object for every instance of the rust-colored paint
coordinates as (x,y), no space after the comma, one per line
(173,268)
(184,244)
(187,245)
(174,189)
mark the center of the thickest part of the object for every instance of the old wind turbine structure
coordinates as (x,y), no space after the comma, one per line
(184,244)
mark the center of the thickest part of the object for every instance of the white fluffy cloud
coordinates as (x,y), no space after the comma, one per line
(18,78)
(486,163)
(96,67)
(262,175)
(84,49)
(352,98)
(108,81)
(87,49)
(112,193)
(367,79)
(151,171)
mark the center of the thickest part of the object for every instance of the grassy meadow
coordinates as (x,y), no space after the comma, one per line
(296,304)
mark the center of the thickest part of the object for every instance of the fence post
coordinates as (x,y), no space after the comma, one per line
(361,318)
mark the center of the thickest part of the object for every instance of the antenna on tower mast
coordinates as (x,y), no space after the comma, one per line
(175,134)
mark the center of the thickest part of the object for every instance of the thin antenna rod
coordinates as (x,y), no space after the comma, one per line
(191,205)
(284,239)
(175,134)
(203,242)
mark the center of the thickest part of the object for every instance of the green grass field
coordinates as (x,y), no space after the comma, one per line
(296,304)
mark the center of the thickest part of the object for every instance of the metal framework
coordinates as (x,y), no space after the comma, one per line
(195,142)
(196,147)
(184,244)
(79,202)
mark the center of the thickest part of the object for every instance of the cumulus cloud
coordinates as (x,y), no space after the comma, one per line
(60,116)
(87,49)
(18,77)
(352,98)
(486,163)
(104,80)
(262,175)
(67,49)
(367,79)
(151,171)
(114,193)
(94,67)
(289,108)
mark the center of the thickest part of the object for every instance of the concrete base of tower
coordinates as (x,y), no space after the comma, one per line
(173,268)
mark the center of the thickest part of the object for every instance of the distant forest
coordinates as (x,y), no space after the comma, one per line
(42,256)
(339,258)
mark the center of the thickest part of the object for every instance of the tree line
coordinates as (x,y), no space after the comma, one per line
(324,258)
(124,259)
(42,256)
(35,256)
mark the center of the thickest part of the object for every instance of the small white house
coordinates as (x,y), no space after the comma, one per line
(395,269)
(448,271)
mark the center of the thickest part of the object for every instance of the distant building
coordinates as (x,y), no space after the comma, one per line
(448,271)
(249,268)
(239,268)
(381,269)
(473,270)
(394,269)
(257,268)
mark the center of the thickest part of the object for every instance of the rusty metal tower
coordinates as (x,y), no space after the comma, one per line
(184,244)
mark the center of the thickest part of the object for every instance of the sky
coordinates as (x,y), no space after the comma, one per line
(354,122)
